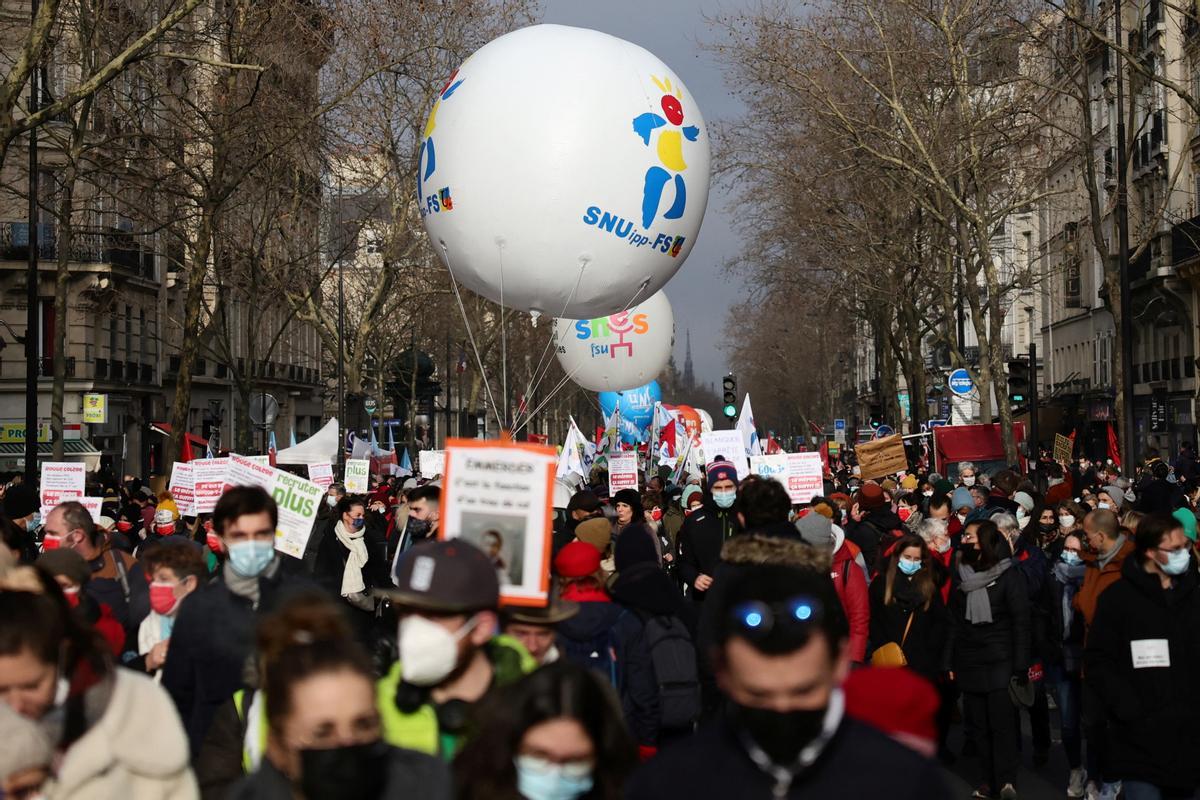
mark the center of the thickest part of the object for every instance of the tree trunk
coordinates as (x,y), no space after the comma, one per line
(189,345)
(62,285)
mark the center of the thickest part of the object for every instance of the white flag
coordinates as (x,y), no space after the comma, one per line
(570,460)
(745,425)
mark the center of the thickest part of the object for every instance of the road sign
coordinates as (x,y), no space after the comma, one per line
(839,424)
(840,436)
(369,405)
(937,423)
(883,430)
(960,382)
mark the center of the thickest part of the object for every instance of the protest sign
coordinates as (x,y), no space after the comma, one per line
(622,472)
(264,460)
(61,481)
(1063,448)
(497,496)
(208,481)
(321,474)
(728,444)
(881,457)
(773,466)
(183,488)
(93,504)
(806,474)
(431,463)
(357,477)
(297,499)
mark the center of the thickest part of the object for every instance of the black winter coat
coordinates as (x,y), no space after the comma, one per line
(212,640)
(1034,567)
(984,657)
(1159,496)
(409,774)
(926,640)
(876,525)
(857,762)
(1152,710)
(701,538)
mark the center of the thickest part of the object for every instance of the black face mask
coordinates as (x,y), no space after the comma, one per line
(354,772)
(1048,527)
(418,528)
(780,734)
(970,555)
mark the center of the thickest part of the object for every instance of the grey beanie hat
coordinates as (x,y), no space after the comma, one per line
(1116,493)
(816,529)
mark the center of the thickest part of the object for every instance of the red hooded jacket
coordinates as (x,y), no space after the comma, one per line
(851,586)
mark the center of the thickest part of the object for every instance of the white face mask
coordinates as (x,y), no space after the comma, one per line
(968,480)
(1103,504)
(943,545)
(1066,521)
(962,518)
(1022,518)
(429,652)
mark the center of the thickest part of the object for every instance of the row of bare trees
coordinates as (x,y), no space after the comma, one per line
(889,151)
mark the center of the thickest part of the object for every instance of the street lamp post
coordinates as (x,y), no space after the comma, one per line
(31,284)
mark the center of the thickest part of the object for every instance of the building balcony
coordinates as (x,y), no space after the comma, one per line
(119,249)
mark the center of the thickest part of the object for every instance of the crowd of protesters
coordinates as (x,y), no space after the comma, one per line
(709,639)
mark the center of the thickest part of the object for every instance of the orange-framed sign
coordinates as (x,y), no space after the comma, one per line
(498,495)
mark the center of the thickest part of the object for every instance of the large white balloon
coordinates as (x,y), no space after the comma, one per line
(618,352)
(564,171)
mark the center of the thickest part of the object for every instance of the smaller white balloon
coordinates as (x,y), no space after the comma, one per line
(620,351)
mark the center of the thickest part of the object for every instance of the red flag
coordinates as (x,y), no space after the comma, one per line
(815,428)
(1114,452)
(772,446)
(667,436)
(825,457)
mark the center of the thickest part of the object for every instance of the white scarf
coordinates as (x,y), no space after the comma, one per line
(356,559)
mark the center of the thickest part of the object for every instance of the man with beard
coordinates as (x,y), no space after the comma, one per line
(781,656)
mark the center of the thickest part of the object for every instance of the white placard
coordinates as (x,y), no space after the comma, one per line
(622,472)
(93,504)
(806,476)
(729,444)
(1150,653)
(497,496)
(431,463)
(61,481)
(183,488)
(264,460)
(297,499)
(773,466)
(321,474)
(208,478)
(358,475)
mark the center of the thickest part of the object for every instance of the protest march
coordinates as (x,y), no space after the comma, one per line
(936,565)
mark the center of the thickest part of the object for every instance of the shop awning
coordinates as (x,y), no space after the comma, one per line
(71,447)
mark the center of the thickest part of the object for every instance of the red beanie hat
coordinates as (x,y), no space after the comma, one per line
(577,560)
(897,701)
(870,496)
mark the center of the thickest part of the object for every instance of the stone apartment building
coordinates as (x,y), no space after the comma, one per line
(125,296)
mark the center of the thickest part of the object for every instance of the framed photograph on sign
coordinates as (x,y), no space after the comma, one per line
(498,496)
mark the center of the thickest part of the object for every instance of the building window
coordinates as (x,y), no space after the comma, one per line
(129,332)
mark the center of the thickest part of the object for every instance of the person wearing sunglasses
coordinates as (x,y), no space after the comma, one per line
(780,656)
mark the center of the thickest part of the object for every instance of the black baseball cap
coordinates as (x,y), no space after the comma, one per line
(448,577)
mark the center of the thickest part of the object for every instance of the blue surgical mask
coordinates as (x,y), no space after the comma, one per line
(538,779)
(250,558)
(1177,561)
(909,567)
(725,499)
(1071,558)
(34,523)
(358,523)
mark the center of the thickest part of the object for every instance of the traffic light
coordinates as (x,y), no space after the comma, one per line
(1018,381)
(729,398)
(876,416)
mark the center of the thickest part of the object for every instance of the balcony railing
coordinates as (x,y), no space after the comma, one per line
(88,246)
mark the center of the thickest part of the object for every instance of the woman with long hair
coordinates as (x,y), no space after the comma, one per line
(556,733)
(59,674)
(324,737)
(989,647)
(906,608)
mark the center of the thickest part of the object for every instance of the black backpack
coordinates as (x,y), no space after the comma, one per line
(598,653)
(674,658)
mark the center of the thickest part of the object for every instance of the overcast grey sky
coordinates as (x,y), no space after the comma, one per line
(700,292)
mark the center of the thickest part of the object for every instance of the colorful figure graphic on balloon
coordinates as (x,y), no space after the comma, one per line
(670,153)
(428,155)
